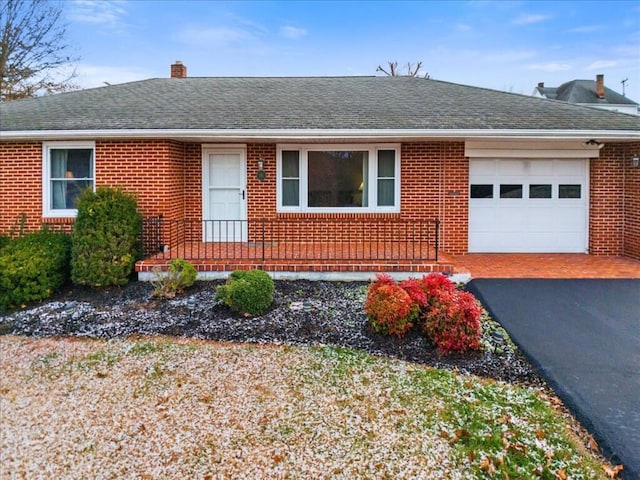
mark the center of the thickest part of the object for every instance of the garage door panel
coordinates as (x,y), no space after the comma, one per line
(543,220)
(540,167)
(482,167)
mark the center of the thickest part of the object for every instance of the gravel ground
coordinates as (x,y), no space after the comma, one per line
(336,318)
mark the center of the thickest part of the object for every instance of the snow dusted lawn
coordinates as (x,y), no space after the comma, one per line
(165,408)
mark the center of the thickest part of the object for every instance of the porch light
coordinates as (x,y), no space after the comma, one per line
(635,161)
(261,174)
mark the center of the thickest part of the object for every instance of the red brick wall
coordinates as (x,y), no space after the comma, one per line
(20,185)
(606,214)
(632,202)
(154,169)
(166,175)
(261,194)
(435,179)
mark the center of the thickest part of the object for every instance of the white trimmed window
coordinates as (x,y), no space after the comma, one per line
(68,168)
(338,178)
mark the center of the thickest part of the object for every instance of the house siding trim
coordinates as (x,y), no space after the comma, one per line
(345,135)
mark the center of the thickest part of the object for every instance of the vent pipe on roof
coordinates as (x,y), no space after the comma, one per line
(600,86)
(178,70)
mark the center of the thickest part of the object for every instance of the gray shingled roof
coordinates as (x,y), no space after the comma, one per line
(301,103)
(584,91)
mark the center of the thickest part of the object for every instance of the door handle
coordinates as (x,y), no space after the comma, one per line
(243,194)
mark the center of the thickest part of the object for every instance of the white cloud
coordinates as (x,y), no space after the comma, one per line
(528,19)
(600,64)
(97,11)
(292,32)
(550,67)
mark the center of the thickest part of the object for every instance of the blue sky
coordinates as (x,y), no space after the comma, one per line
(501,45)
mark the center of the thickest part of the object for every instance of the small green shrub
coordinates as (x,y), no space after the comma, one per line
(180,275)
(390,309)
(249,292)
(105,238)
(32,267)
(4,241)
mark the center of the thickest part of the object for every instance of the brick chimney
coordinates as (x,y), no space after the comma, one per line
(600,86)
(178,70)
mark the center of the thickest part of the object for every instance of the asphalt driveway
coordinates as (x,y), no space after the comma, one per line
(584,336)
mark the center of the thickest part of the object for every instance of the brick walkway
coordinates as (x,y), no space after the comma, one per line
(543,265)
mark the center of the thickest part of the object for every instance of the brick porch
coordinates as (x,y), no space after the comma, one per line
(365,259)
(545,265)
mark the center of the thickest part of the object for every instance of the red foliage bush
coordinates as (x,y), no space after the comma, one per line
(389,307)
(451,318)
(453,321)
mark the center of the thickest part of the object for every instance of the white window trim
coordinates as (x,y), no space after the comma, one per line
(372,150)
(47,211)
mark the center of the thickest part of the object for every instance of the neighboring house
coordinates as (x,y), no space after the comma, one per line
(357,160)
(590,94)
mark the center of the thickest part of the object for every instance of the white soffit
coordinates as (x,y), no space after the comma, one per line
(530,149)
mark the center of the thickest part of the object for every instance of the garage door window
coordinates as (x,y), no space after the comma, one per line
(569,191)
(481,191)
(510,191)
(539,191)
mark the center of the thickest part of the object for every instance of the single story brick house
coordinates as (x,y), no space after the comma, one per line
(329,173)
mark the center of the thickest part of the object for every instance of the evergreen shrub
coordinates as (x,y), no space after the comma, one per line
(33,267)
(105,238)
(180,276)
(249,292)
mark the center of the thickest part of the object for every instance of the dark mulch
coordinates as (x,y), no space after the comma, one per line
(335,318)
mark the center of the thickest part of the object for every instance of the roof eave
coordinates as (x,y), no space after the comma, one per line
(245,135)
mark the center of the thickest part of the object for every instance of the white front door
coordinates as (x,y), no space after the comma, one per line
(224,208)
(529,206)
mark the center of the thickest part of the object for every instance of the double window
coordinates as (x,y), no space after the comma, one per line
(68,169)
(344,178)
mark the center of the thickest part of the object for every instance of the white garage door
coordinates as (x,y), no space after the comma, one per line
(537,205)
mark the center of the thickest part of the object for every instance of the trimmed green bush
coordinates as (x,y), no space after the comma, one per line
(33,267)
(4,241)
(249,292)
(180,275)
(105,238)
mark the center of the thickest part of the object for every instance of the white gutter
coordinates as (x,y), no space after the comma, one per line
(320,134)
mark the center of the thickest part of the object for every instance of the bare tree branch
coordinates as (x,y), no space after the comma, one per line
(411,69)
(32,49)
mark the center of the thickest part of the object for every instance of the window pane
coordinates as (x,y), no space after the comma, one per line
(64,193)
(386,192)
(481,191)
(386,163)
(79,163)
(290,193)
(336,178)
(569,191)
(290,164)
(71,173)
(510,191)
(539,191)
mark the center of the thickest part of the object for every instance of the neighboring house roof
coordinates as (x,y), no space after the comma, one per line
(584,92)
(302,103)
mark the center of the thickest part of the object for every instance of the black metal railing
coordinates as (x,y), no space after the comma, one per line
(321,239)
